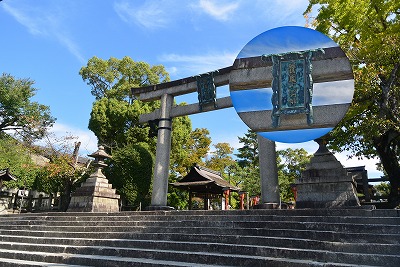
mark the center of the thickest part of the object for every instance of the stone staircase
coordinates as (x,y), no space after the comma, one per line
(319,237)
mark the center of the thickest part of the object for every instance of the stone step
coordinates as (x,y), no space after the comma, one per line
(112,261)
(204,238)
(118,225)
(331,234)
(209,254)
(160,240)
(83,219)
(14,262)
(28,258)
(121,232)
(357,212)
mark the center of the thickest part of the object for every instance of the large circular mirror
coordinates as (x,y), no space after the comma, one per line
(291,84)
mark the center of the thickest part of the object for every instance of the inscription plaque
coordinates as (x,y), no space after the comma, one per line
(206,89)
(292,84)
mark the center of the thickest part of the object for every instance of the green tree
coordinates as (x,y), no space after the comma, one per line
(16,157)
(114,78)
(248,170)
(221,159)
(130,172)
(382,189)
(369,32)
(18,113)
(181,134)
(291,163)
(248,153)
(114,117)
(196,149)
(115,122)
(249,178)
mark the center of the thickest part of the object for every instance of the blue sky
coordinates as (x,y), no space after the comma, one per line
(50,40)
(285,39)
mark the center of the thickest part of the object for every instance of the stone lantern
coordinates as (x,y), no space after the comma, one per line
(325,183)
(95,194)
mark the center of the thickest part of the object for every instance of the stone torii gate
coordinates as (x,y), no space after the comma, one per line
(245,73)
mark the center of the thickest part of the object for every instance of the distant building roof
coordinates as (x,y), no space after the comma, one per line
(204,180)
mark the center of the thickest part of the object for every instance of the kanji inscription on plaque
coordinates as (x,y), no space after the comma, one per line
(292,85)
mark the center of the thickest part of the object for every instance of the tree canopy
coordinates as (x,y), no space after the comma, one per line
(221,159)
(18,112)
(130,172)
(369,33)
(291,163)
(114,78)
(248,154)
(16,157)
(115,113)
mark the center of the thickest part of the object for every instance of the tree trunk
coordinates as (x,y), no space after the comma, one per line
(386,148)
(65,197)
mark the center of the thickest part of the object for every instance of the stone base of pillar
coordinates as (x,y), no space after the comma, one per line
(325,184)
(154,208)
(94,195)
(267,206)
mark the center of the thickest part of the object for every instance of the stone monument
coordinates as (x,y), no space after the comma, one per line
(325,183)
(95,194)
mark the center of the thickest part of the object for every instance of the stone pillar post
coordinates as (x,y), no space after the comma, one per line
(161,169)
(268,173)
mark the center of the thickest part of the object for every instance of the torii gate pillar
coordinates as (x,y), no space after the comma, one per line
(161,168)
(268,174)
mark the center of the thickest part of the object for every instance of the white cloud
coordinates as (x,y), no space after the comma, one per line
(311,147)
(72,47)
(48,23)
(32,24)
(281,12)
(370,164)
(186,65)
(222,11)
(151,15)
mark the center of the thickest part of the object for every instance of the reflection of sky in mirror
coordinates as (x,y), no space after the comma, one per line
(285,39)
(296,136)
(327,93)
(252,100)
(223,91)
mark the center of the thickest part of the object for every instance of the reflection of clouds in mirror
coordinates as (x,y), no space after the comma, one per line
(252,100)
(296,136)
(285,39)
(330,93)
